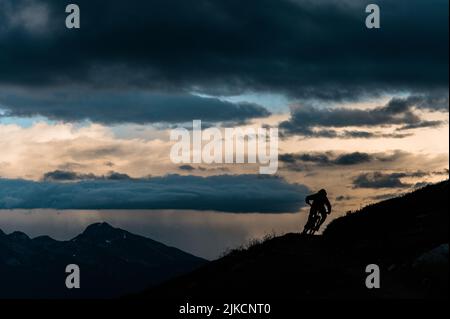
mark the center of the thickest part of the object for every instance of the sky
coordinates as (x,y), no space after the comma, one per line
(86,114)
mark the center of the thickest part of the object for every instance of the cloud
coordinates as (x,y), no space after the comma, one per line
(186,167)
(308,120)
(227,193)
(29,152)
(231,46)
(289,130)
(421,125)
(205,169)
(299,160)
(383,180)
(60,175)
(341,198)
(316,158)
(139,107)
(353,158)
(433,100)
(445,171)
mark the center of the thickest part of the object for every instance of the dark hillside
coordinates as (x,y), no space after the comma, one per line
(407,237)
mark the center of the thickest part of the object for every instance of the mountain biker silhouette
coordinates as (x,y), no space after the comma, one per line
(320,208)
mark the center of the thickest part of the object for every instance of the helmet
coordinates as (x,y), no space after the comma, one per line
(323,192)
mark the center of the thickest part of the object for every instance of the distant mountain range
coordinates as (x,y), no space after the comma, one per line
(113,262)
(407,237)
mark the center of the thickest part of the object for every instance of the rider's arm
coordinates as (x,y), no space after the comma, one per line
(327,203)
(308,200)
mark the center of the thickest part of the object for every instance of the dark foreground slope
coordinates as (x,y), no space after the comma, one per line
(407,237)
(112,261)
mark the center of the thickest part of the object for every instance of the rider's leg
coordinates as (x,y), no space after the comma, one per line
(310,222)
(322,217)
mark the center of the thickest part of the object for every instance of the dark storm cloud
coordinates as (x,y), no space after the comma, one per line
(306,120)
(130,107)
(434,100)
(385,180)
(308,49)
(227,193)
